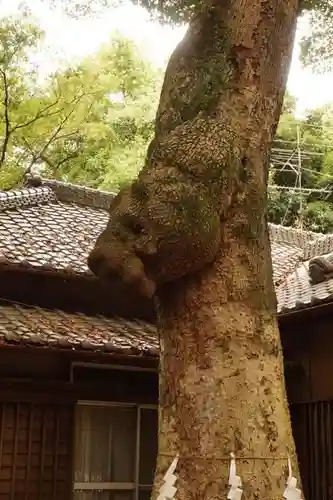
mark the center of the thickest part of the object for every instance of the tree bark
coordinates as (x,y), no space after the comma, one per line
(221,370)
(193,229)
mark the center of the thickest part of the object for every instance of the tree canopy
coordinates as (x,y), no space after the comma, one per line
(317,49)
(88,123)
(91,124)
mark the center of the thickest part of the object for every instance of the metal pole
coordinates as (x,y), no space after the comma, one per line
(299,173)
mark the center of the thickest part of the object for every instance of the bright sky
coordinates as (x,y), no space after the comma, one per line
(68,39)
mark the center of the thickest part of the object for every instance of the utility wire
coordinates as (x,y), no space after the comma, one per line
(299,176)
(310,170)
(303,124)
(290,159)
(308,143)
(288,206)
(298,189)
(305,143)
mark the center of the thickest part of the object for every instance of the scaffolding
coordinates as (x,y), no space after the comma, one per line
(290,156)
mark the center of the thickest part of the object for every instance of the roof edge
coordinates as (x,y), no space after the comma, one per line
(121,345)
(292,236)
(26,197)
(323,245)
(74,193)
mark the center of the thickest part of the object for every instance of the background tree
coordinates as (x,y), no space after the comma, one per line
(119,131)
(33,118)
(16,37)
(82,124)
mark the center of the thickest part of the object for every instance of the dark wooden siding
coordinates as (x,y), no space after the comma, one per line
(35,451)
(115,385)
(308,354)
(313,432)
(72,294)
(38,397)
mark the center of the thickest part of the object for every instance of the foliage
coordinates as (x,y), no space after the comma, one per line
(316,46)
(318,216)
(89,123)
(34,118)
(113,142)
(17,36)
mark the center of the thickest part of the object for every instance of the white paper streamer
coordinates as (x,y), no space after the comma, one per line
(292,492)
(235,482)
(167,491)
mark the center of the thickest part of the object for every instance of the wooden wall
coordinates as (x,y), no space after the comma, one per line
(36,425)
(35,451)
(38,396)
(70,293)
(308,353)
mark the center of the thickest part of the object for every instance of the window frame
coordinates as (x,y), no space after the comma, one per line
(134,486)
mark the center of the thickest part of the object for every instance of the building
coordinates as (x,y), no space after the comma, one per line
(78,360)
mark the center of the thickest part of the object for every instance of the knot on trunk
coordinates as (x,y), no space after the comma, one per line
(159,230)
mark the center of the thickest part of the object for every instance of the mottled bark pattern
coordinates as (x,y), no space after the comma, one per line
(167,223)
(221,383)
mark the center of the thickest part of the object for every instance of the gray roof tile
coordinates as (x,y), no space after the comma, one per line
(36,229)
(319,246)
(33,325)
(297,292)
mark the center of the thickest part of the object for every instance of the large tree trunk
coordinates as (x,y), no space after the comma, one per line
(203,192)
(221,375)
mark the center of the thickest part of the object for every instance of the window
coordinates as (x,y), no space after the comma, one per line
(115,452)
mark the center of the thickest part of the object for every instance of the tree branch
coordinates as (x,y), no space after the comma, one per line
(54,166)
(40,114)
(54,136)
(7,120)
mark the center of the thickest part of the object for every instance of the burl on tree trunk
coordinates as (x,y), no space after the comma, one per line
(192,228)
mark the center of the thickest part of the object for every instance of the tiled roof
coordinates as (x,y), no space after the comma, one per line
(52,227)
(40,327)
(296,291)
(55,225)
(291,251)
(288,246)
(322,245)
